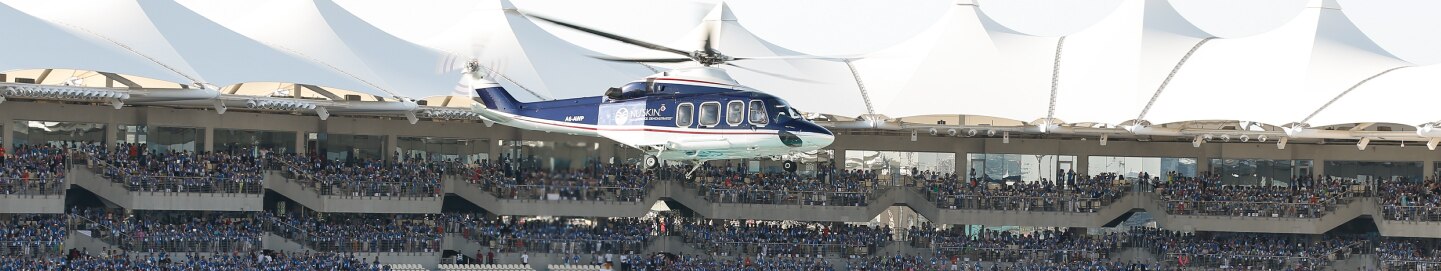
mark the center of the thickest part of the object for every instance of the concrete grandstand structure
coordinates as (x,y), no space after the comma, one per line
(140,123)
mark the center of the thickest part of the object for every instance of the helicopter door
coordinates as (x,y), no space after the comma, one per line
(684,115)
(709,114)
(735,113)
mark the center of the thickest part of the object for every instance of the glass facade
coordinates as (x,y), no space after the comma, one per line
(1014,168)
(162,139)
(1260,171)
(893,165)
(1131,167)
(1375,170)
(437,148)
(549,154)
(347,148)
(237,140)
(30,132)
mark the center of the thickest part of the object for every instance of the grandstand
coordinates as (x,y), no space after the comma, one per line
(1121,135)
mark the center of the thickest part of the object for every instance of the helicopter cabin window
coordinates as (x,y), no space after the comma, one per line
(709,114)
(758,113)
(684,115)
(735,113)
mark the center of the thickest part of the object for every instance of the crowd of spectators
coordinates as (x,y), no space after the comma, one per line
(140,168)
(1078,193)
(571,237)
(1305,197)
(744,263)
(595,182)
(752,237)
(1246,250)
(32,235)
(256,260)
(367,178)
(943,262)
(33,170)
(1411,201)
(1050,245)
(828,187)
(354,232)
(171,231)
(1410,254)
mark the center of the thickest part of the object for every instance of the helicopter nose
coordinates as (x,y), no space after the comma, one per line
(806,135)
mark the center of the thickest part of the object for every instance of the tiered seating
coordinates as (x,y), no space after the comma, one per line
(485,267)
(570,267)
(406,267)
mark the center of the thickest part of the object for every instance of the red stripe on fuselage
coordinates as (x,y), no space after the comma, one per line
(647,129)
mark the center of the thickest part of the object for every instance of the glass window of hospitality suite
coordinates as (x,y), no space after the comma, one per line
(163,139)
(1131,167)
(1259,171)
(1375,170)
(31,132)
(230,140)
(347,148)
(443,149)
(995,167)
(897,166)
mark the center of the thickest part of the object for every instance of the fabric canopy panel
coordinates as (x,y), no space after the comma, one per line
(810,85)
(531,63)
(1098,69)
(1343,58)
(1246,74)
(970,64)
(323,31)
(188,42)
(38,44)
(940,71)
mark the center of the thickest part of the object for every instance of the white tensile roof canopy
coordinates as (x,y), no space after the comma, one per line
(1317,62)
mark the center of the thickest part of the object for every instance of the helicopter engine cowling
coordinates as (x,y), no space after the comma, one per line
(699,145)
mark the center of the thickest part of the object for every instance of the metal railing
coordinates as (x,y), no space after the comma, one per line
(1411,213)
(1244,262)
(1020,255)
(139,241)
(784,197)
(565,192)
(757,248)
(1410,265)
(359,187)
(1072,203)
(32,186)
(188,185)
(553,245)
(379,242)
(1250,209)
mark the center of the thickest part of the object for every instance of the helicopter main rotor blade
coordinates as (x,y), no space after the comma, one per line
(643,60)
(777,75)
(788,58)
(615,37)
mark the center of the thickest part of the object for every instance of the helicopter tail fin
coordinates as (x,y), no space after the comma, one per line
(497,99)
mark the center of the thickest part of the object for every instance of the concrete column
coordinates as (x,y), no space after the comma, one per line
(7,125)
(1428,169)
(1083,164)
(209,137)
(300,142)
(111,126)
(1318,167)
(391,141)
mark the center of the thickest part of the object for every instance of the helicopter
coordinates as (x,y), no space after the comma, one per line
(694,114)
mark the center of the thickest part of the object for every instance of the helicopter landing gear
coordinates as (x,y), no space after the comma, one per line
(651,163)
(690,175)
(790,166)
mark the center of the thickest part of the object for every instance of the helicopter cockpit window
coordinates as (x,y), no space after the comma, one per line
(684,115)
(758,113)
(783,114)
(709,114)
(735,113)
